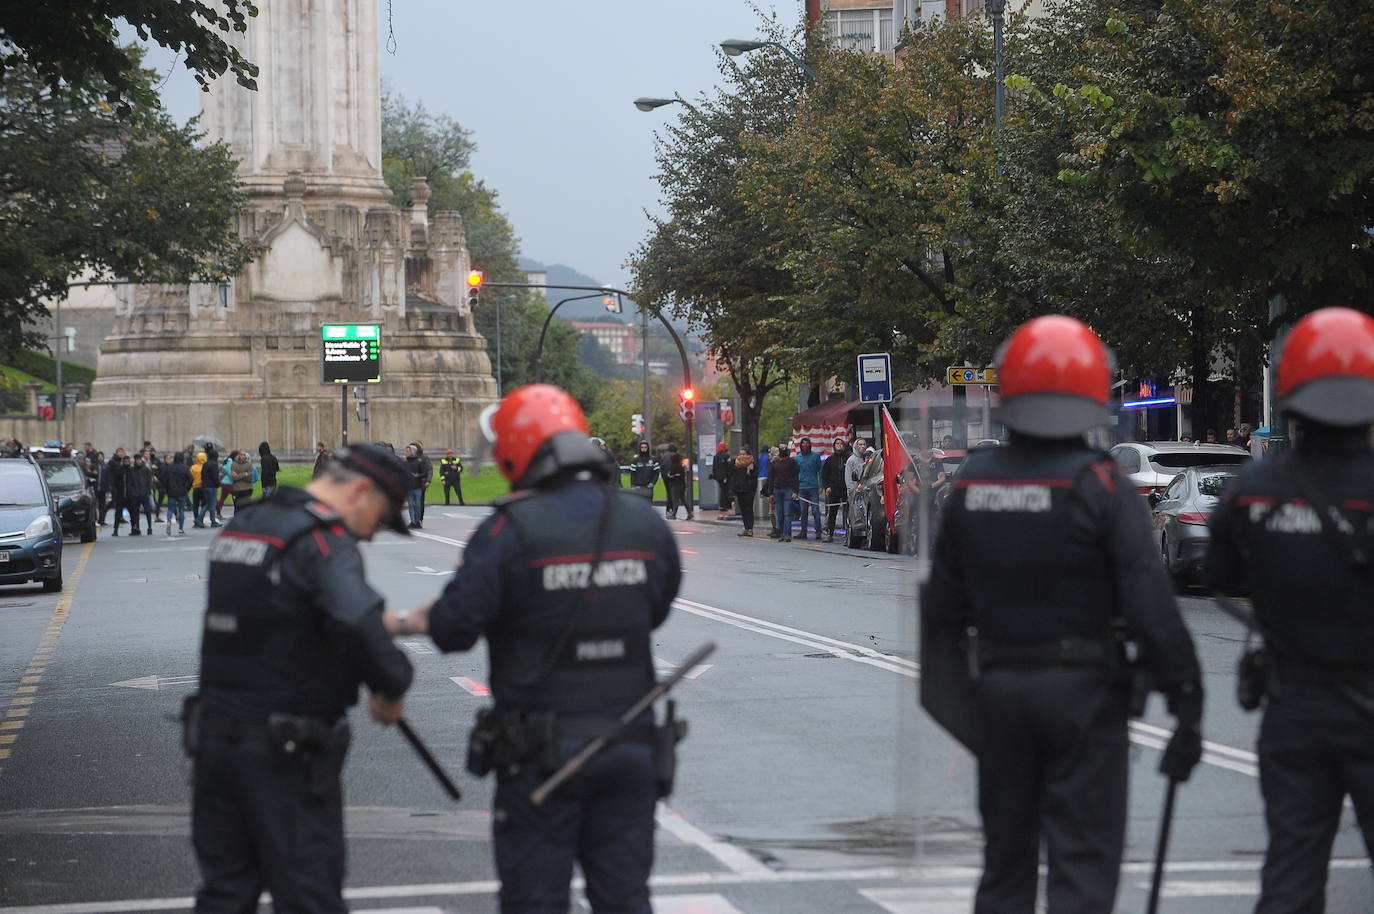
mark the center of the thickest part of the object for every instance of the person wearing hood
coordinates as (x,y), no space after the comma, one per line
(423,474)
(744,484)
(416,494)
(833,487)
(643,471)
(720,472)
(809,485)
(206,476)
(270,467)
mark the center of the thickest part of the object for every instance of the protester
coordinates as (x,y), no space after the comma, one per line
(643,472)
(720,472)
(226,482)
(833,488)
(243,475)
(176,482)
(270,467)
(612,461)
(102,486)
(321,460)
(426,475)
(744,482)
(670,466)
(782,477)
(416,494)
(206,474)
(138,488)
(766,489)
(118,477)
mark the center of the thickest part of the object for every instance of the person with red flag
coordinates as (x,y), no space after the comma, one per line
(896,461)
(1043,567)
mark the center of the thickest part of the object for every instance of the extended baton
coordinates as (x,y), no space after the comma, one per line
(1166,825)
(428,758)
(575,764)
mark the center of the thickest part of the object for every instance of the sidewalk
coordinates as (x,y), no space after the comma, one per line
(761,535)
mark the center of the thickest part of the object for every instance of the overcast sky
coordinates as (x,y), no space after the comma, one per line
(546,87)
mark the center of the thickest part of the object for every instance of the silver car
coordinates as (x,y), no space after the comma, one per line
(1152,465)
(1180,512)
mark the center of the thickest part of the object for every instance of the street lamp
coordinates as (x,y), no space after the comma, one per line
(734,47)
(649,104)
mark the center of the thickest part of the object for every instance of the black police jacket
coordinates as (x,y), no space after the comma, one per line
(1041,541)
(292,625)
(1268,541)
(530,575)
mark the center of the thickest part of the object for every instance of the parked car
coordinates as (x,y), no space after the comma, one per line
(75,501)
(30,530)
(1180,512)
(1152,465)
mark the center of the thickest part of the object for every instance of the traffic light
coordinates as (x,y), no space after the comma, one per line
(474,288)
(686,403)
(637,424)
(612,303)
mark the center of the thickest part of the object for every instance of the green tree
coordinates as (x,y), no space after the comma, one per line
(83,188)
(75,44)
(416,143)
(709,260)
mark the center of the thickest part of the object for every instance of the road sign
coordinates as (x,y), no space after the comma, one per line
(964,375)
(875,377)
(350,353)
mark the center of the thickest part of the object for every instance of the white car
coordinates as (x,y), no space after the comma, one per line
(1152,465)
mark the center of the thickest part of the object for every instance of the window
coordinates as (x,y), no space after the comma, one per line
(1175,489)
(867,30)
(1128,460)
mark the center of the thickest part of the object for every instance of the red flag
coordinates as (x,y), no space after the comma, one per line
(895,460)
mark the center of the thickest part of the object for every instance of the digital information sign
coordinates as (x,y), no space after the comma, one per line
(350,353)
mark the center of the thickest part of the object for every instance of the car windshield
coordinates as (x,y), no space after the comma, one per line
(1212,483)
(20,485)
(1175,460)
(61,473)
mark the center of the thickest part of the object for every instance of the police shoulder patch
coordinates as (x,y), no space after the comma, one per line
(322,511)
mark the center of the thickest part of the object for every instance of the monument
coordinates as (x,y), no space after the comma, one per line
(241,360)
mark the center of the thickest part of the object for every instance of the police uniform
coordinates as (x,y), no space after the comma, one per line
(529,574)
(291,629)
(451,472)
(1312,588)
(1044,561)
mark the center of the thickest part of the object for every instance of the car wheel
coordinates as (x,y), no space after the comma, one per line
(53,585)
(1179,578)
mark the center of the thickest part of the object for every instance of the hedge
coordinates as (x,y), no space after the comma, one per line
(44,367)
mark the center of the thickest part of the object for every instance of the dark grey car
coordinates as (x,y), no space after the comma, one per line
(1180,512)
(72,491)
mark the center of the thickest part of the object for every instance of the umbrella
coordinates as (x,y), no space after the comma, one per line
(202,440)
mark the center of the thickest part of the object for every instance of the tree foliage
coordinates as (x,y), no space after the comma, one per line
(84,189)
(710,260)
(75,44)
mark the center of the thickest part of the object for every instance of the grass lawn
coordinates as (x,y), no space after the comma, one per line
(23,378)
(480,489)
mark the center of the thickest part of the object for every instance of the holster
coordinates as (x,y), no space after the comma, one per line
(666,737)
(1254,678)
(505,740)
(190,725)
(318,744)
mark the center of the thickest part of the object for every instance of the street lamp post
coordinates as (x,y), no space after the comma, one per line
(649,104)
(997,10)
(734,47)
(539,348)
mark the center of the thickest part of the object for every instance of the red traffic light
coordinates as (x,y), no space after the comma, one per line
(475,279)
(688,394)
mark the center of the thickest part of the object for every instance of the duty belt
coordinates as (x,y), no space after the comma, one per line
(235,729)
(599,728)
(1060,652)
(1296,672)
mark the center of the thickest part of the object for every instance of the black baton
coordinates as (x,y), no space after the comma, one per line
(428,758)
(1162,850)
(589,751)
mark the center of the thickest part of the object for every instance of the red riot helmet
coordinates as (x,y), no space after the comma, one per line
(1055,376)
(1326,371)
(537,431)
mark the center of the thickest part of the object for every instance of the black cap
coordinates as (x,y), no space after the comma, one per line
(387,472)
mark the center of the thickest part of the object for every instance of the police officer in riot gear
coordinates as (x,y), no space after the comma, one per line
(291,629)
(1044,566)
(1293,531)
(566,580)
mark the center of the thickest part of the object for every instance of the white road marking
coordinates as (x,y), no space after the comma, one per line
(471,686)
(448,541)
(1212,888)
(693,904)
(736,859)
(663,666)
(156,683)
(675,880)
(425,569)
(418,647)
(1216,754)
(922,899)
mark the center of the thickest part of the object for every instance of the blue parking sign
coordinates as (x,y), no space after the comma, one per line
(875,377)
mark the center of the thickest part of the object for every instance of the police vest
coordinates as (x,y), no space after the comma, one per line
(604,606)
(264,649)
(1029,574)
(1306,590)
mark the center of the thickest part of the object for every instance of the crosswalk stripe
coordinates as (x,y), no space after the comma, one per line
(693,904)
(921,899)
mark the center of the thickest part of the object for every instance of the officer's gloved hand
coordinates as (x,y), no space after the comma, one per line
(1185,748)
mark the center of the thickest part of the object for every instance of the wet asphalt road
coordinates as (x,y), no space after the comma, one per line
(810,782)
